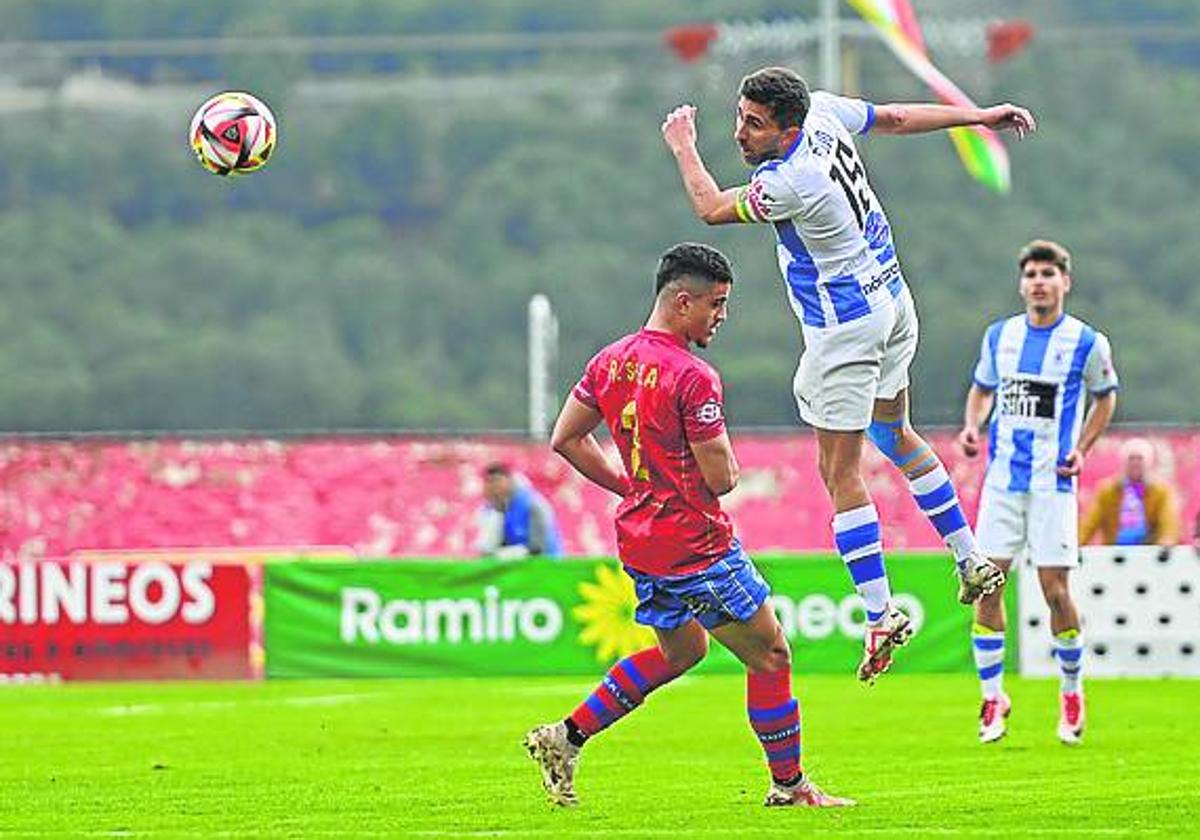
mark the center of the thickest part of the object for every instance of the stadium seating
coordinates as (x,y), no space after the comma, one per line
(405,496)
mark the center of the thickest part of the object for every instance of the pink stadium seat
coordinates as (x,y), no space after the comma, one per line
(405,496)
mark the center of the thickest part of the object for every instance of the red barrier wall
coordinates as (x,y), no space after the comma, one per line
(401,496)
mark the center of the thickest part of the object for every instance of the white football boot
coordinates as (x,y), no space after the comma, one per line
(978,576)
(993,718)
(804,793)
(892,630)
(556,756)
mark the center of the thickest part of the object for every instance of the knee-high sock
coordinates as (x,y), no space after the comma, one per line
(623,689)
(935,495)
(856,533)
(1068,650)
(775,718)
(988,646)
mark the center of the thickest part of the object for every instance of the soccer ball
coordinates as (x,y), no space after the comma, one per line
(233,133)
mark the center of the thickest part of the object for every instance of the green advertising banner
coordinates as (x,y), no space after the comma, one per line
(406,618)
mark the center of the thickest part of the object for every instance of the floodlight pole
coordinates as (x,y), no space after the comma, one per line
(831,53)
(543,352)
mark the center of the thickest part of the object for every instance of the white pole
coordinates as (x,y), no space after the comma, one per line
(831,57)
(543,351)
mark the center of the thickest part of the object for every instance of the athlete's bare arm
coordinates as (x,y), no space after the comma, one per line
(717,463)
(573,439)
(1094,425)
(979,406)
(918,118)
(712,204)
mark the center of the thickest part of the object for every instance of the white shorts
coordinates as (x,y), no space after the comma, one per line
(1044,524)
(845,368)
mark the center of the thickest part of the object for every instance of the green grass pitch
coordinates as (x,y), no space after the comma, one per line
(443,757)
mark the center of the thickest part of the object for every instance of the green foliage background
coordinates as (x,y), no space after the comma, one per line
(376,274)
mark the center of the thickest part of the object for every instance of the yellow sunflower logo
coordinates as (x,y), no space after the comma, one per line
(607,616)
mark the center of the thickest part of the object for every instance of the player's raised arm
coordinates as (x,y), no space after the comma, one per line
(573,439)
(918,118)
(712,204)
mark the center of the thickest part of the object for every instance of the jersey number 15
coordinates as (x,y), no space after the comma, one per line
(852,178)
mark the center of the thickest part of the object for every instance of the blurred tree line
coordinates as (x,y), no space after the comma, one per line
(376,274)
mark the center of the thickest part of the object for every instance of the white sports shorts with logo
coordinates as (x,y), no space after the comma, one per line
(846,367)
(1044,524)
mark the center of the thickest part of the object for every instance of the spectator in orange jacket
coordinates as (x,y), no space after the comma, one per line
(1132,508)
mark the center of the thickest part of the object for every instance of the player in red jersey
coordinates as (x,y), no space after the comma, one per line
(664,408)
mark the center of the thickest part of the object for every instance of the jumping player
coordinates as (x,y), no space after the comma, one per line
(844,284)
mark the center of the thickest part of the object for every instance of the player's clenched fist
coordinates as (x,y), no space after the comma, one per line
(679,128)
(968,441)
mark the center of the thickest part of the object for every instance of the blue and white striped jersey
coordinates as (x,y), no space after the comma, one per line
(1039,375)
(835,244)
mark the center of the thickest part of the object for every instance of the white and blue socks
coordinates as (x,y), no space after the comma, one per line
(1068,650)
(934,494)
(856,533)
(988,646)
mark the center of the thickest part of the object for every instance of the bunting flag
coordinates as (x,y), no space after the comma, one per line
(980,149)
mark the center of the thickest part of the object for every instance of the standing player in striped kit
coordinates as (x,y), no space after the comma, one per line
(665,409)
(1034,367)
(844,284)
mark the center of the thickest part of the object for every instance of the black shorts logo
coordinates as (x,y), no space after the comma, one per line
(1028,398)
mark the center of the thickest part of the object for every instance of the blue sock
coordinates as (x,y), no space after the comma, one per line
(856,533)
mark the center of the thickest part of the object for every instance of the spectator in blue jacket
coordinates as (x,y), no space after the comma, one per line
(516,520)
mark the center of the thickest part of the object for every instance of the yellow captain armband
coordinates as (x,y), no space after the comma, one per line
(741,206)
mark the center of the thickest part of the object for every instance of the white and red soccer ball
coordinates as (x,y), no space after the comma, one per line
(233,133)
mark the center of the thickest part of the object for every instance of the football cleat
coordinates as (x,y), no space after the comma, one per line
(891,631)
(993,718)
(804,793)
(556,756)
(978,576)
(1070,721)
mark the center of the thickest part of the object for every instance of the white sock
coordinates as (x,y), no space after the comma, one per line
(988,647)
(1068,650)
(856,533)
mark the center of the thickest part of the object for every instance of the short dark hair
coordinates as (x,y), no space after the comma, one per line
(1044,250)
(692,259)
(497,468)
(781,90)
